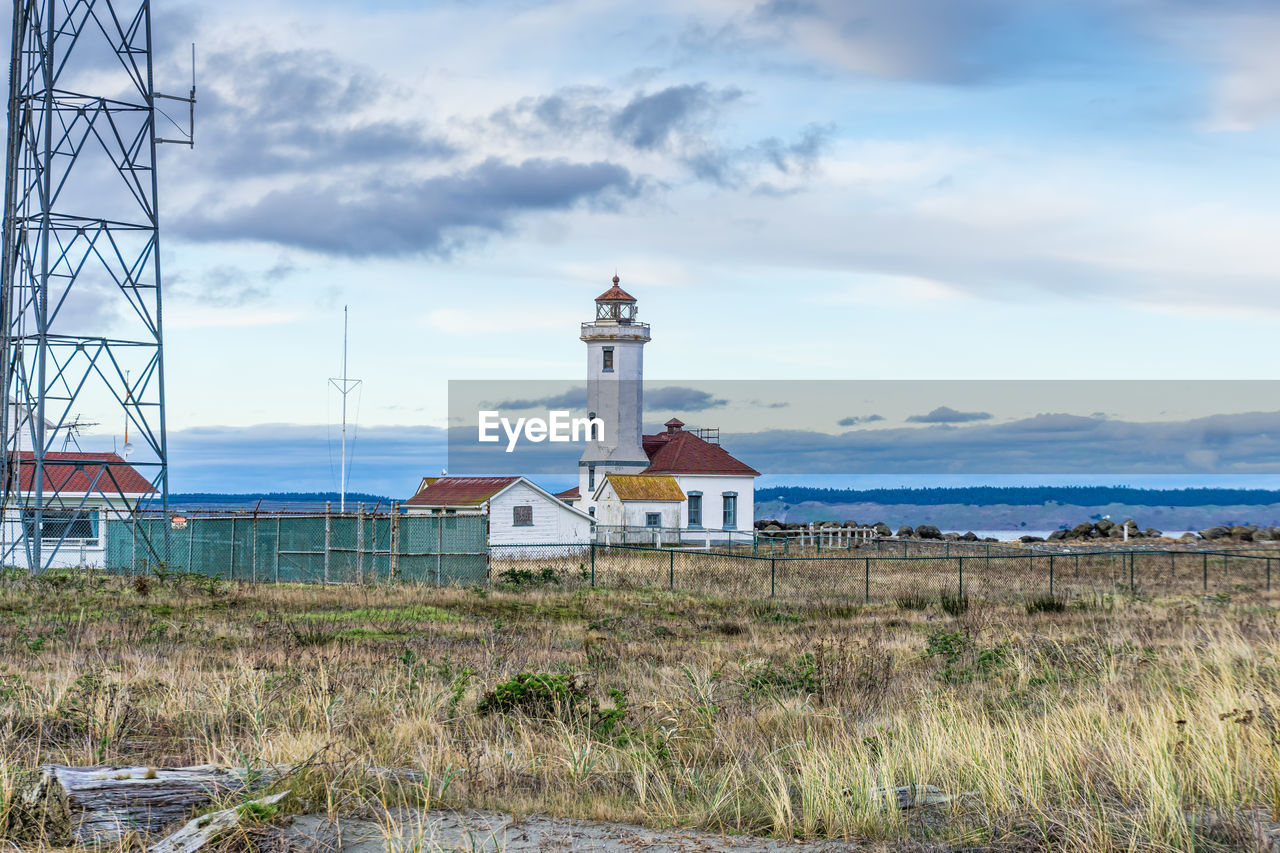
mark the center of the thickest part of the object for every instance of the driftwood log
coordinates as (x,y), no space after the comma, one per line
(201,831)
(88,805)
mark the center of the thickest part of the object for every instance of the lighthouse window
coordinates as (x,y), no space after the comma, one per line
(652,519)
(695,509)
(522,516)
(608,359)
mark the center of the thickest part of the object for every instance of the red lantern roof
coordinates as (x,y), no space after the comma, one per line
(615,294)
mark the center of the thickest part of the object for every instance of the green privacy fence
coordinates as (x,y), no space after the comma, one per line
(316,548)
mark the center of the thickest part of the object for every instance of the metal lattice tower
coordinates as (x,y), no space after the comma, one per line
(80,299)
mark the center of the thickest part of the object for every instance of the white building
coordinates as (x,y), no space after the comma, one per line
(519,511)
(718,490)
(91,487)
(640,507)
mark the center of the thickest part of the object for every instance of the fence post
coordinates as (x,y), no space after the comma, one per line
(773,576)
(328,533)
(231,556)
(1268,574)
(671,569)
(593,565)
(277,566)
(393,558)
(1051,576)
(960,562)
(1205,585)
(866,580)
(254,573)
(439,548)
(360,543)
(191,551)
(1132,587)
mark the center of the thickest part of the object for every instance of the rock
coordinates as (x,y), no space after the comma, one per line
(1244,534)
(773,526)
(1080,531)
(882,530)
(1191,536)
(928,531)
(1104,525)
(951,537)
(1217,532)
(1058,535)
(990,539)
(906,532)
(1028,539)
(202,831)
(970,536)
(1153,533)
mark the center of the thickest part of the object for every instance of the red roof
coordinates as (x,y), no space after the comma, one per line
(680,452)
(74,473)
(569,494)
(615,294)
(459,491)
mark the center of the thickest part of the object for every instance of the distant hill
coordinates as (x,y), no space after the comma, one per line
(1023,496)
(268,501)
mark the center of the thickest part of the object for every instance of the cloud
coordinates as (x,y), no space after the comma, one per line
(298,111)
(1247,443)
(574,398)
(429,216)
(948,415)
(675,398)
(858,419)
(649,121)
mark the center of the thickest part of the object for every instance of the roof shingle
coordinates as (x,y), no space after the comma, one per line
(680,452)
(459,491)
(645,487)
(74,472)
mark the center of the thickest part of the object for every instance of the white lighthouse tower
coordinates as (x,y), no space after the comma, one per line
(615,370)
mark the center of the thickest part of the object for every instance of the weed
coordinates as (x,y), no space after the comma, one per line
(913,600)
(1045,604)
(953,603)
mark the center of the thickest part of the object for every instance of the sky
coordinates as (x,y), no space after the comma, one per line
(793,189)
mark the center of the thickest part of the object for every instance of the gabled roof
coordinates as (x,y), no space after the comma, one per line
(449,491)
(680,452)
(458,491)
(644,487)
(569,494)
(77,472)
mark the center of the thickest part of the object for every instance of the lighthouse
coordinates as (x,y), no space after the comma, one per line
(615,370)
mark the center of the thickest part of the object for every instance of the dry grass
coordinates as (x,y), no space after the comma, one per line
(1117,724)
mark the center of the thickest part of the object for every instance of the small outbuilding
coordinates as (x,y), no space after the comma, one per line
(639,505)
(519,511)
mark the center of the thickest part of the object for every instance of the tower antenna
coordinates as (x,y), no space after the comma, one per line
(80,283)
(345,386)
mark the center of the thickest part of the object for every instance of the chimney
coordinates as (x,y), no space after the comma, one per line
(673,425)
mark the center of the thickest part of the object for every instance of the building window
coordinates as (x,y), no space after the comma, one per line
(522,516)
(591,478)
(591,511)
(695,509)
(653,519)
(608,360)
(730,510)
(62,524)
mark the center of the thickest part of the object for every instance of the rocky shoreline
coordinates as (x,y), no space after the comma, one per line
(1087,531)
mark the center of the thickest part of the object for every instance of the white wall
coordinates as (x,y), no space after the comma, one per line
(73,553)
(553,521)
(713,488)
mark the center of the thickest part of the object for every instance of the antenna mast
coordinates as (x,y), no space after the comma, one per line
(80,283)
(345,386)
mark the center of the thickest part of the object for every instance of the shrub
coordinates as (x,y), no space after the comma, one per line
(1045,604)
(525,578)
(913,600)
(536,694)
(799,676)
(953,603)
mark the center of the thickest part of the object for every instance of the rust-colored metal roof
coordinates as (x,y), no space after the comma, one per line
(680,452)
(75,472)
(646,487)
(615,294)
(459,491)
(569,494)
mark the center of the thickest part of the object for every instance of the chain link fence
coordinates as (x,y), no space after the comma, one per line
(300,548)
(878,577)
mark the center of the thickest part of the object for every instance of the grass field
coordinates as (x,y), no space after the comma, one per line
(1110,723)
